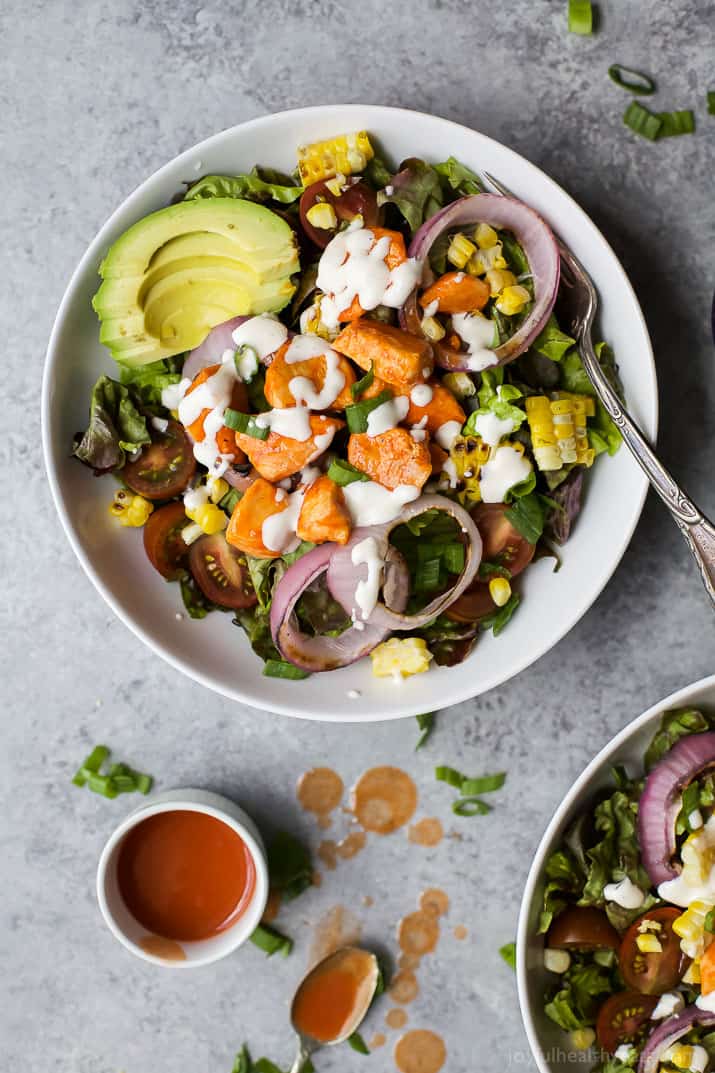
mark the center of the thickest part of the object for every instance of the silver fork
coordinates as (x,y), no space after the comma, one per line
(698,531)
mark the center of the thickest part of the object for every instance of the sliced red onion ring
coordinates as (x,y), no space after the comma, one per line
(240,481)
(343,575)
(324,653)
(536,239)
(211,350)
(673,1029)
(660,802)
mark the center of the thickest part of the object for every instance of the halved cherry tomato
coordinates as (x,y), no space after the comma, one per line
(503,544)
(474,603)
(624,1018)
(164,467)
(356,200)
(656,973)
(221,573)
(163,542)
(582,927)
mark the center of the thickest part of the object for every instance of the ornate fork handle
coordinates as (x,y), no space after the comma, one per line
(697,530)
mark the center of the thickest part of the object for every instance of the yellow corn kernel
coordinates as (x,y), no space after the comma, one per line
(498,279)
(460,384)
(485,260)
(468,454)
(485,236)
(692,976)
(322,215)
(346,154)
(460,250)
(335,186)
(211,518)
(649,925)
(582,1039)
(692,922)
(648,943)
(217,487)
(433,329)
(512,300)
(680,1055)
(499,590)
(400,657)
(131,510)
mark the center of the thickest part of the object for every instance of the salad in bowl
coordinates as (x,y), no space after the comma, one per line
(628,910)
(344,410)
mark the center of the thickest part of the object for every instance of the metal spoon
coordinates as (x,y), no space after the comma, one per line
(351,958)
(582,299)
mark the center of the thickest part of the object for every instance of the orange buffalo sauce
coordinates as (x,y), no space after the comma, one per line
(185,875)
(327,1001)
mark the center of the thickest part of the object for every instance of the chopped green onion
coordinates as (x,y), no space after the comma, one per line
(280,668)
(642,121)
(499,618)
(711,101)
(343,473)
(271,941)
(425,723)
(427,576)
(449,775)
(358,1043)
(245,423)
(489,570)
(508,952)
(487,784)
(120,779)
(634,81)
(357,414)
(93,763)
(290,868)
(580,14)
(246,361)
(453,558)
(674,124)
(470,806)
(362,385)
(229,501)
(709,924)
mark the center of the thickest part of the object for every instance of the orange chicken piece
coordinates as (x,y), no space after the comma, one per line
(279,375)
(456,292)
(282,456)
(245,528)
(398,357)
(324,514)
(392,458)
(441,408)
(395,256)
(225,437)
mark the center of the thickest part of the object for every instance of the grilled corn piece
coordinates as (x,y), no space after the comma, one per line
(346,154)
(131,510)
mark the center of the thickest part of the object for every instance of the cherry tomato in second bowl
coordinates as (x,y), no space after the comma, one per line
(624,1018)
(660,971)
(582,927)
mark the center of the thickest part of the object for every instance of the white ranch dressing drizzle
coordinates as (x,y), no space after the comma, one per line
(681,893)
(367,589)
(504,469)
(431,309)
(388,415)
(478,334)
(421,395)
(370,503)
(669,1003)
(492,428)
(265,334)
(278,531)
(293,422)
(447,433)
(626,894)
(172,395)
(418,431)
(353,266)
(214,394)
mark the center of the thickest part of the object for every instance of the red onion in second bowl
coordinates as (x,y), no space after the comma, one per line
(669,1032)
(660,802)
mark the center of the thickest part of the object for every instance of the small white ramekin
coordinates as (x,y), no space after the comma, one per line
(130,932)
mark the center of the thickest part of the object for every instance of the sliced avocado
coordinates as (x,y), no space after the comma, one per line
(174,275)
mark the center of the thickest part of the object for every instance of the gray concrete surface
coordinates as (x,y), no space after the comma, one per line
(94,97)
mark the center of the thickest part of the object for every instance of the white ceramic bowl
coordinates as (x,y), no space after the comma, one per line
(214,652)
(130,932)
(549,1044)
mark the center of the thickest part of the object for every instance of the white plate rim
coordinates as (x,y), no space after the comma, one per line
(398,709)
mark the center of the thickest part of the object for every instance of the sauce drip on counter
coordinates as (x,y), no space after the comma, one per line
(378,1040)
(427,832)
(460,932)
(420,1051)
(336,928)
(396,1018)
(320,791)
(384,799)
(185,875)
(334,996)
